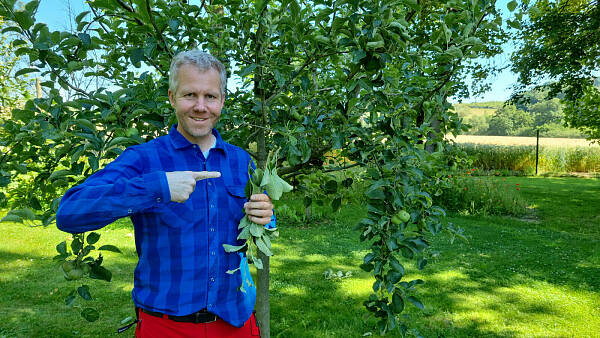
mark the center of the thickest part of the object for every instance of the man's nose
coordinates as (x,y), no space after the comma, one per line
(200,104)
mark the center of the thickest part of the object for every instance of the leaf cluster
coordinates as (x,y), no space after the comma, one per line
(250,232)
(83,265)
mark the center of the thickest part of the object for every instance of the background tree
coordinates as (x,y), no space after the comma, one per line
(367,80)
(560,42)
(14,91)
(510,121)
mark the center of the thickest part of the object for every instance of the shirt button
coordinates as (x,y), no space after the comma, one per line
(212,229)
(212,253)
(212,205)
(158,200)
(129,211)
(212,279)
(209,183)
(209,305)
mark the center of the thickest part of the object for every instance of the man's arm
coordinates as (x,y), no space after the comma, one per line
(120,190)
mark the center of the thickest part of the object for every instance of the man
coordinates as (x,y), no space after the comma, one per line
(184,193)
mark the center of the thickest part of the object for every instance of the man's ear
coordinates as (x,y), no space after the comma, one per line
(172,98)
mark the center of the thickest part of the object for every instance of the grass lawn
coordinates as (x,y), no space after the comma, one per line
(532,277)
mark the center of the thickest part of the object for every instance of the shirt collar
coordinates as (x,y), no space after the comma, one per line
(179,141)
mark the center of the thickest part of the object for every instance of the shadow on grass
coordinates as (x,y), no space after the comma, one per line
(33,294)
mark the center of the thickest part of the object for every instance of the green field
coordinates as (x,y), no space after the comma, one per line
(538,276)
(469,110)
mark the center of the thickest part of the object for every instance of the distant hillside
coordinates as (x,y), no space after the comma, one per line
(521,120)
(468,110)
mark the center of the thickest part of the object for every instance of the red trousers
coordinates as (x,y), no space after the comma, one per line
(155,327)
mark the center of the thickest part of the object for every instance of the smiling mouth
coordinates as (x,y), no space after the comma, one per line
(198,119)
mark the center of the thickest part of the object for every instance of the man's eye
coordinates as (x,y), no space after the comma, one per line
(188,95)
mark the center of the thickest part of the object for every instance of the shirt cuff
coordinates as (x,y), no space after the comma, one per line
(158,187)
(273,223)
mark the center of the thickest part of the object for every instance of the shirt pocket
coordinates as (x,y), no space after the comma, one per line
(236,197)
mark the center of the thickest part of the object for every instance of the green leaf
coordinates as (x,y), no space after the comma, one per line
(137,56)
(258,263)
(262,246)
(120,140)
(266,179)
(90,314)
(455,52)
(71,298)
(397,303)
(397,266)
(247,70)
(61,248)
(331,187)
(24,213)
(336,203)
(392,244)
(421,263)
(307,201)
(24,19)
(416,302)
(174,24)
(100,272)
(76,245)
(257,230)
(375,193)
(511,5)
(24,71)
(8,29)
(12,218)
(84,292)
(81,15)
(59,174)
(109,247)
(93,237)
(233,248)
(85,39)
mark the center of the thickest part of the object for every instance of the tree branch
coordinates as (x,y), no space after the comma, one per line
(158,32)
(131,10)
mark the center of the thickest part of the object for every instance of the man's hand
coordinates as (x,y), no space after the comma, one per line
(183,183)
(259,209)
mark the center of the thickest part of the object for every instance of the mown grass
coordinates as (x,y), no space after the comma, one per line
(532,277)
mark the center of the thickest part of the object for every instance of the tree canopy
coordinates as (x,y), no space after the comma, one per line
(560,49)
(365,80)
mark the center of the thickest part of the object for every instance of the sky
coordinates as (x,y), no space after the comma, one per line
(55,14)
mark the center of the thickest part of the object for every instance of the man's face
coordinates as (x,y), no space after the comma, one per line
(197,102)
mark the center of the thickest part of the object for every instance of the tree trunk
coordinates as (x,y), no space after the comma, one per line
(263,306)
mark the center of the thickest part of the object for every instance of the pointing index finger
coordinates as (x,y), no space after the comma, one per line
(202,175)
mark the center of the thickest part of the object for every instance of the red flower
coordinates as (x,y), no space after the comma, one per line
(517,183)
(518,188)
(465,188)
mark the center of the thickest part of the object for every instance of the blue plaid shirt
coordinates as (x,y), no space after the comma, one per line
(182,263)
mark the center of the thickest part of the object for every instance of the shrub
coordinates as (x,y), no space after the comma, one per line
(482,195)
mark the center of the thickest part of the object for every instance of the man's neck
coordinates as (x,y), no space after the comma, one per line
(205,145)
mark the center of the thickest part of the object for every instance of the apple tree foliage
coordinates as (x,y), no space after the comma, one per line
(560,50)
(366,80)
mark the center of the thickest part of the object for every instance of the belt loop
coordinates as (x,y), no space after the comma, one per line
(197,318)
